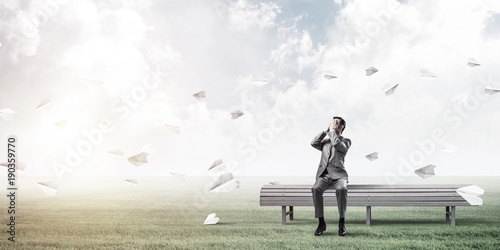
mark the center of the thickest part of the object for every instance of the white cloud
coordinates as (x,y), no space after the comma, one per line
(242,15)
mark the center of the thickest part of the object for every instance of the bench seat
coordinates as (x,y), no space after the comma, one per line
(445,195)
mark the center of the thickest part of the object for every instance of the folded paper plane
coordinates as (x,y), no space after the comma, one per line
(45,103)
(329,75)
(235,114)
(371,70)
(473,63)
(106,123)
(373,156)
(471,194)
(427,73)
(149,148)
(217,165)
(211,219)
(390,89)
(162,98)
(116,152)
(178,176)
(61,124)
(448,148)
(274,183)
(259,80)
(89,80)
(491,91)
(199,95)
(131,181)
(461,98)
(7,113)
(173,129)
(19,166)
(139,159)
(426,171)
(48,187)
(225,183)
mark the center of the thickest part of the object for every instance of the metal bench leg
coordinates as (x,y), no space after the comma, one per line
(368,215)
(291,212)
(283,215)
(453,216)
(447,213)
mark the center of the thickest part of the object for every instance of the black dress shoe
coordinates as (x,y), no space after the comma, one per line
(320,229)
(342,230)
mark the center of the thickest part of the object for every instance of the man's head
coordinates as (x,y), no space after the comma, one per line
(341,123)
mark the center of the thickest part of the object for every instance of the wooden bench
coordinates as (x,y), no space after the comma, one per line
(372,195)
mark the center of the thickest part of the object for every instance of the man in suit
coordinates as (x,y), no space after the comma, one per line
(331,172)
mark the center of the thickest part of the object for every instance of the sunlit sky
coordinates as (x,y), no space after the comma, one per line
(118,72)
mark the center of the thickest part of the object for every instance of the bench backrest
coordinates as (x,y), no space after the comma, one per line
(367,195)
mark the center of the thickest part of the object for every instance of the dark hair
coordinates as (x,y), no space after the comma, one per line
(342,122)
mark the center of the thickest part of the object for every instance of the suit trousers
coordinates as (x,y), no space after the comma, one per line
(322,184)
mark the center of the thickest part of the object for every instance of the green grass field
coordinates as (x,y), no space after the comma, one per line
(168,213)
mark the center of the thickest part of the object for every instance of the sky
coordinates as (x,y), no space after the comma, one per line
(118,72)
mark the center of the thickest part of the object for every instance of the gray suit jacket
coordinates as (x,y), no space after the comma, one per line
(333,151)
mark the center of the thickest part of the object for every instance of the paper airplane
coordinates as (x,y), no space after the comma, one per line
(105,123)
(389,89)
(149,148)
(471,193)
(48,187)
(427,73)
(132,181)
(6,113)
(217,165)
(173,129)
(61,124)
(461,98)
(426,171)
(211,219)
(373,156)
(329,75)
(371,70)
(139,159)
(19,166)
(448,148)
(176,174)
(116,152)
(199,95)
(274,183)
(88,80)
(235,114)
(162,98)
(258,80)
(491,91)
(225,183)
(472,190)
(45,103)
(473,63)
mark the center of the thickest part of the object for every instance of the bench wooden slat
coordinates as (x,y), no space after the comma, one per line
(375,190)
(433,194)
(378,198)
(375,186)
